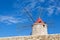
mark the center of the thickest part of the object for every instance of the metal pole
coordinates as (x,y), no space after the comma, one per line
(29,14)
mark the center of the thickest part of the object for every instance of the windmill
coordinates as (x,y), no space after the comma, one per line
(31,18)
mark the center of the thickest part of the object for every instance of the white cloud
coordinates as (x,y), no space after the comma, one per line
(11,20)
(42,0)
(50,11)
(32,5)
(57,11)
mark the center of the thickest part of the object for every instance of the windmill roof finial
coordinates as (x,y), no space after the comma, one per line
(39,21)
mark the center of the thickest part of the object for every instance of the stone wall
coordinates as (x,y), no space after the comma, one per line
(34,37)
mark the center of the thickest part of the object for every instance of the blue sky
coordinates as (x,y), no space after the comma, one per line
(14,20)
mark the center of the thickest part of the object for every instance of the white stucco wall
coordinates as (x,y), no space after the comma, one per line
(39,29)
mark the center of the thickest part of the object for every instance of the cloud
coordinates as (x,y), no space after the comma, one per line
(53,10)
(11,20)
(32,5)
(42,0)
(57,11)
(50,11)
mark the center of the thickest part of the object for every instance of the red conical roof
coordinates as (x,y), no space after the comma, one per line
(39,21)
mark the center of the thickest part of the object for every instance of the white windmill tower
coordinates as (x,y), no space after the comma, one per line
(39,28)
